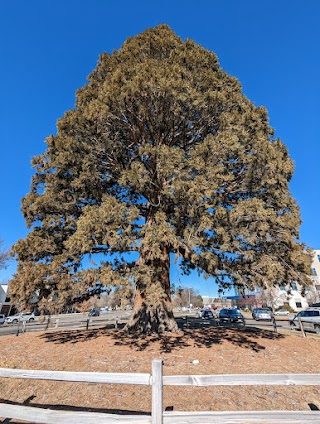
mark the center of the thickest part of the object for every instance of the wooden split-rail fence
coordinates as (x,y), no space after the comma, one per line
(157,381)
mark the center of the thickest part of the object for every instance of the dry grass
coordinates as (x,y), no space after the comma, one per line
(219,350)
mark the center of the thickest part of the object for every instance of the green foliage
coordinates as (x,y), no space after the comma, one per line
(163,154)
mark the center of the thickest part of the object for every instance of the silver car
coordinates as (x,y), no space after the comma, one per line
(282,312)
(310,319)
(14,319)
(263,314)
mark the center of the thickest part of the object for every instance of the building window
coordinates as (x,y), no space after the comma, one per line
(318,258)
(298,305)
(293,285)
(314,272)
(317,287)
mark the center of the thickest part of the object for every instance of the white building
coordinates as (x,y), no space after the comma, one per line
(293,293)
(5,306)
(3,292)
(313,293)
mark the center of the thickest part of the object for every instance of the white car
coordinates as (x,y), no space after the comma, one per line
(310,319)
(282,312)
(14,319)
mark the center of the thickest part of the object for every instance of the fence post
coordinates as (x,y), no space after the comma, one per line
(274,323)
(48,321)
(301,326)
(17,333)
(157,393)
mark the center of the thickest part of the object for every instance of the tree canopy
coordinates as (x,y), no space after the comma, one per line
(162,156)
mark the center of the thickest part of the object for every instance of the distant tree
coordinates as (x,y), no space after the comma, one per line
(115,299)
(162,155)
(312,295)
(185,295)
(197,301)
(86,305)
(4,255)
(271,296)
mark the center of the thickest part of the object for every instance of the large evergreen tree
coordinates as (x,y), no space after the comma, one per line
(162,156)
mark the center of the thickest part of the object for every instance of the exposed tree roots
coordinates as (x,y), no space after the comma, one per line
(149,320)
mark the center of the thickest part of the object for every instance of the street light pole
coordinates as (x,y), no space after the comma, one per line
(190,297)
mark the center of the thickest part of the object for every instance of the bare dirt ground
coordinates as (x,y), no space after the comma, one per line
(219,350)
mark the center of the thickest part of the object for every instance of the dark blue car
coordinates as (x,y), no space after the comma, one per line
(94,313)
(231,315)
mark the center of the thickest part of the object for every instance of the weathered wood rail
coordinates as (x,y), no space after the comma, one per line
(157,381)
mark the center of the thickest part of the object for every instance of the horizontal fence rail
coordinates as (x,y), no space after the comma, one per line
(243,380)
(49,416)
(157,381)
(242,417)
(78,321)
(84,377)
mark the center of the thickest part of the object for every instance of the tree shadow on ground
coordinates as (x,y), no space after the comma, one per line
(195,333)
(58,407)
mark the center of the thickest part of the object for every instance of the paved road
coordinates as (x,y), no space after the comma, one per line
(81,321)
(66,321)
(282,322)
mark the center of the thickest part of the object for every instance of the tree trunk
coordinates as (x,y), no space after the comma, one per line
(152,308)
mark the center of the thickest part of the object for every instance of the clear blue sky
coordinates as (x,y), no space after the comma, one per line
(47,49)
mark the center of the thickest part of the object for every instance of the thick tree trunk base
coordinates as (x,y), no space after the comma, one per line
(148,320)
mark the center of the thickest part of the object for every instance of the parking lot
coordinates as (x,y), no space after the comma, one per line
(113,319)
(66,321)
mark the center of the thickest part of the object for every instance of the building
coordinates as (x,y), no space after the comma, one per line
(313,292)
(292,294)
(216,302)
(5,305)
(244,301)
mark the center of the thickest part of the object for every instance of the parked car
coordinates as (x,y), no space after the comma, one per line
(310,319)
(254,312)
(206,314)
(201,312)
(94,313)
(26,317)
(257,310)
(282,312)
(2,319)
(231,315)
(262,314)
